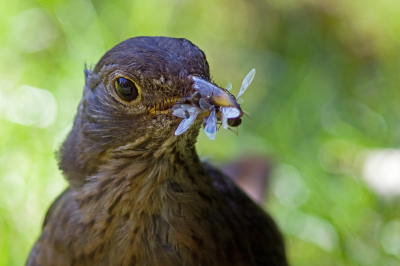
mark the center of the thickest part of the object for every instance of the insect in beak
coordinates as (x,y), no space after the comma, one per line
(214,94)
(211,103)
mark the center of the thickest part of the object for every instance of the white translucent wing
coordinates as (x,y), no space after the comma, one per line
(185,124)
(204,104)
(184,110)
(224,119)
(228,86)
(230,112)
(246,82)
(211,125)
(240,101)
(205,88)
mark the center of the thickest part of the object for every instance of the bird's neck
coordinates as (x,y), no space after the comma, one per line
(133,184)
(145,204)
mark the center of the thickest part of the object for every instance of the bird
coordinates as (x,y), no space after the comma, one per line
(137,193)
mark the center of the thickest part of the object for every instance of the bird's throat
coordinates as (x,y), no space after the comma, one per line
(133,181)
(154,199)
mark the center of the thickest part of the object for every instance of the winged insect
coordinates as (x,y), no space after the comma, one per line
(213,104)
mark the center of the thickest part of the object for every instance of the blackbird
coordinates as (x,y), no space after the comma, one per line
(138,193)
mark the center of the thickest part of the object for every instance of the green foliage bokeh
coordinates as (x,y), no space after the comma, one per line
(325,93)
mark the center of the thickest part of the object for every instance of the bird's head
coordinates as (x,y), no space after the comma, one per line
(127,101)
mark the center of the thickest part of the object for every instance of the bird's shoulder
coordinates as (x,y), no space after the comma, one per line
(246,226)
(44,250)
(260,233)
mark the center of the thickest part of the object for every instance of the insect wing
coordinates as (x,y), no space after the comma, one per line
(185,124)
(211,125)
(224,118)
(246,82)
(228,86)
(204,104)
(183,110)
(226,113)
(205,88)
(230,112)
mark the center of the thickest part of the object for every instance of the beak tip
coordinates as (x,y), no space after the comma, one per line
(215,95)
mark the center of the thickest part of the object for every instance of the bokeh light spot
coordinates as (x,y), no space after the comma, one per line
(27,105)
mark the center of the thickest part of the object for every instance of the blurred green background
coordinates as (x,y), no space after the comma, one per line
(324,107)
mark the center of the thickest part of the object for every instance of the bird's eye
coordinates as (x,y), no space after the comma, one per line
(126,89)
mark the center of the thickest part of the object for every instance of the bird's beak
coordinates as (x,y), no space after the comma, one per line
(214,94)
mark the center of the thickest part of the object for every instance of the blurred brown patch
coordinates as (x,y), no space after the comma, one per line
(251,173)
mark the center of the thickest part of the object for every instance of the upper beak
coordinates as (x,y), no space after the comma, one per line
(214,94)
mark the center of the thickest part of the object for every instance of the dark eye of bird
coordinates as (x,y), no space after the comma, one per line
(126,89)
